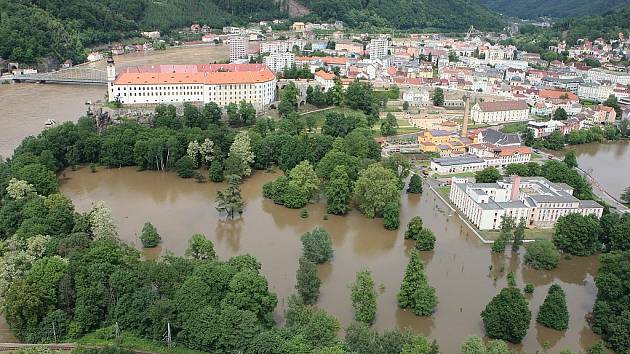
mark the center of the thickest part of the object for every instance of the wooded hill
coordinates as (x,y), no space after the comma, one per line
(559,8)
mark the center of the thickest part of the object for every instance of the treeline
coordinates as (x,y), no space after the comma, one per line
(537,40)
(595,134)
(60,30)
(455,15)
(564,8)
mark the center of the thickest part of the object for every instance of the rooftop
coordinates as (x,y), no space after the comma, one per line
(498,106)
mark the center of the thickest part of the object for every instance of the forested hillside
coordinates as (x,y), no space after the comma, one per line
(559,8)
(61,29)
(607,26)
(407,14)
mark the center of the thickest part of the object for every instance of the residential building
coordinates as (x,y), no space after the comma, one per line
(279,61)
(543,129)
(445,143)
(500,112)
(501,156)
(298,27)
(325,80)
(565,84)
(615,77)
(379,48)
(238,48)
(416,97)
(495,137)
(535,199)
(274,47)
(202,83)
(595,91)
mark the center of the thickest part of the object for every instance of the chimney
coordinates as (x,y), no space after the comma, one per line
(516,187)
(466,116)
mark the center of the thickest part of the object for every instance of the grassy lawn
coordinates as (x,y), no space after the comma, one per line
(461,174)
(129,341)
(320,117)
(444,191)
(516,127)
(530,234)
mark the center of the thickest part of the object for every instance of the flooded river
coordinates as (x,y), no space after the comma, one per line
(24,108)
(608,163)
(458,268)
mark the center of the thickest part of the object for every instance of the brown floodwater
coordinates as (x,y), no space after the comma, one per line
(459,268)
(24,108)
(609,163)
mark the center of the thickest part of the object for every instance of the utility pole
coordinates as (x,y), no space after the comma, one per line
(117,330)
(54,332)
(168,335)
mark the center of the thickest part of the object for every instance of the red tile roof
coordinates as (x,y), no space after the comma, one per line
(202,77)
(499,106)
(324,75)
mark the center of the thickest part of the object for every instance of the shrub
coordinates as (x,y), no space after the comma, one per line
(317,246)
(149,237)
(425,240)
(185,167)
(553,312)
(415,184)
(542,254)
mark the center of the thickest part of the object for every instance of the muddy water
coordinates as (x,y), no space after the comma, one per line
(608,163)
(24,108)
(459,268)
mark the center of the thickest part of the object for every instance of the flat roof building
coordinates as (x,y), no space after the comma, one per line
(535,199)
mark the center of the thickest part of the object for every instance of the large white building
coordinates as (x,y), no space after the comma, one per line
(540,202)
(201,83)
(238,48)
(599,74)
(378,48)
(500,112)
(501,156)
(279,61)
(595,91)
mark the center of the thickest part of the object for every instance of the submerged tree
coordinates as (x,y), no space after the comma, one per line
(307,281)
(415,291)
(230,200)
(364,297)
(317,246)
(149,237)
(553,313)
(507,316)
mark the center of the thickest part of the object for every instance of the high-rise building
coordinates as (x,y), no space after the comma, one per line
(279,61)
(378,48)
(238,48)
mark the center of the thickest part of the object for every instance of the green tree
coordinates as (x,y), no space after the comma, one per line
(488,175)
(612,101)
(507,226)
(389,125)
(308,283)
(249,291)
(229,200)
(542,254)
(364,297)
(597,348)
(375,188)
(415,291)
(415,184)
(473,345)
(570,159)
(425,240)
(405,106)
(560,114)
(193,118)
(553,313)
(212,113)
(518,235)
(438,97)
(234,118)
(414,227)
(149,237)
(185,167)
(391,216)
(247,113)
(200,248)
(215,172)
(625,196)
(41,178)
(241,151)
(577,234)
(338,191)
(528,137)
(507,316)
(317,246)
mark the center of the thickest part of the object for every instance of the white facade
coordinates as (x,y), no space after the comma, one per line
(417,97)
(457,164)
(378,48)
(606,75)
(274,47)
(279,61)
(499,112)
(536,200)
(238,48)
(594,92)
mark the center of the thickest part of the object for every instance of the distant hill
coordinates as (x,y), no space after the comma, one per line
(557,8)
(61,29)
(607,26)
(446,15)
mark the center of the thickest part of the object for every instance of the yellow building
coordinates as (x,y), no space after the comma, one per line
(298,26)
(443,142)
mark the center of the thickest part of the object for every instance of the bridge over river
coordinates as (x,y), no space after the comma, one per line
(73,75)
